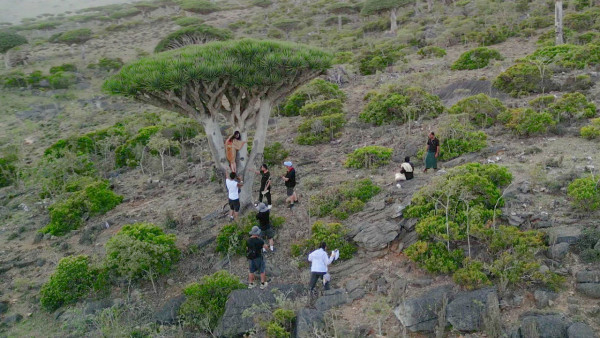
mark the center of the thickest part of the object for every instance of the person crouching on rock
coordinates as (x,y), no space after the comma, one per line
(318,268)
(264,222)
(233,144)
(406,171)
(255,257)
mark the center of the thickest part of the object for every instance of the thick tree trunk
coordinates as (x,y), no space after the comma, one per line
(216,143)
(393,21)
(558,22)
(255,159)
(339,22)
(7,59)
(429,5)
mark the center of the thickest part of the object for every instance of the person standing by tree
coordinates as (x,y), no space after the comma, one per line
(233,189)
(265,184)
(264,222)
(290,183)
(433,151)
(255,257)
(318,268)
(233,144)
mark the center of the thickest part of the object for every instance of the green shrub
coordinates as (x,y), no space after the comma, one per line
(188,21)
(379,57)
(527,122)
(88,198)
(192,35)
(287,24)
(480,108)
(431,51)
(65,67)
(125,13)
(537,22)
(199,6)
(14,80)
(10,40)
(321,129)
(585,193)
(369,157)
(73,279)
(542,103)
(585,246)
(341,199)
(434,257)
(342,57)
(331,233)
(61,80)
(333,20)
(76,36)
(34,78)
(320,108)
(471,275)
(402,104)
(572,106)
(582,21)
(315,90)
(8,170)
(587,38)
(141,250)
(476,58)
(522,79)
(126,154)
(205,301)
(379,25)
(568,56)
(262,3)
(459,137)
(275,330)
(275,154)
(232,237)
(592,130)
(492,35)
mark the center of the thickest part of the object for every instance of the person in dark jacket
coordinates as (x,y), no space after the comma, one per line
(255,258)
(264,223)
(290,184)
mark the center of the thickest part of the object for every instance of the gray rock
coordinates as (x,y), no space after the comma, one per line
(581,330)
(95,306)
(272,270)
(356,294)
(543,298)
(38,238)
(10,320)
(306,321)
(524,187)
(331,299)
(232,324)
(376,235)
(167,314)
(591,290)
(352,285)
(597,246)
(546,325)
(558,251)
(466,311)
(564,234)
(587,277)
(421,313)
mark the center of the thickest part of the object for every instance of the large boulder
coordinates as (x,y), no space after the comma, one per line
(545,325)
(588,283)
(581,330)
(421,313)
(331,299)
(374,236)
(233,324)
(168,313)
(307,320)
(563,234)
(466,311)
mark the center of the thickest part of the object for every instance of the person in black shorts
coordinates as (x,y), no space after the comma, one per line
(264,223)
(255,258)
(265,185)
(233,191)
(290,184)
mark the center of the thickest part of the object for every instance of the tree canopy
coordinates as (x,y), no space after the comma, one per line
(10,40)
(377,6)
(192,35)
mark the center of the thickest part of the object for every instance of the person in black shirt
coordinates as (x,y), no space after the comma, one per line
(264,223)
(265,185)
(290,183)
(256,259)
(433,151)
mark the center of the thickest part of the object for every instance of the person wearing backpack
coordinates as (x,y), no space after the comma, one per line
(290,183)
(256,260)
(264,223)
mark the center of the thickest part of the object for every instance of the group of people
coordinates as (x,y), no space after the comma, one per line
(261,236)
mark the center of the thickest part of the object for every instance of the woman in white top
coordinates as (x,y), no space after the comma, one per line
(318,268)
(406,170)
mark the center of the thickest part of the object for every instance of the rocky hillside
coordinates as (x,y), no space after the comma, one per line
(112,218)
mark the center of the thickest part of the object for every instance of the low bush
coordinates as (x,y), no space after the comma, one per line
(66,67)
(321,129)
(331,233)
(262,3)
(492,35)
(568,56)
(592,130)
(476,58)
(585,193)
(199,6)
(8,170)
(542,103)
(205,301)
(315,90)
(369,157)
(459,137)
(87,197)
(342,57)
(14,80)
(141,250)
(481,109)
(379,57)
(107,64)
(128,154)
(431,52)
(471,275)
(10,40)
(192,35)
(379,25)
(537,22)
(402,104)
(586,247)
(75,36)
(73,279)
(582,21)
(523,79)
(125,13)
(188,21)
(527,122)
(232,237)
(343,199)
(61,80)
(275,154)
(34,78)
(320,108)
(572,106)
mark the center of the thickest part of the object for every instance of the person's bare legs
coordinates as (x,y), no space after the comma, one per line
(263,277)
(251,277)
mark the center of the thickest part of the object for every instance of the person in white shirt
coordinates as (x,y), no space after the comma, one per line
(318,268)
(406,170)
(233,187)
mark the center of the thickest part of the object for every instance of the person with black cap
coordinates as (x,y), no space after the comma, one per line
(265,185)
(255,257)
(264,223)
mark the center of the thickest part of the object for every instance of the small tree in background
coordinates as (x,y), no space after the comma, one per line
(241,80)
(380,6)
(341,8)
(192,35)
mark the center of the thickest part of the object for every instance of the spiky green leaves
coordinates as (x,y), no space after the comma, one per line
(248,63)
(192,35)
